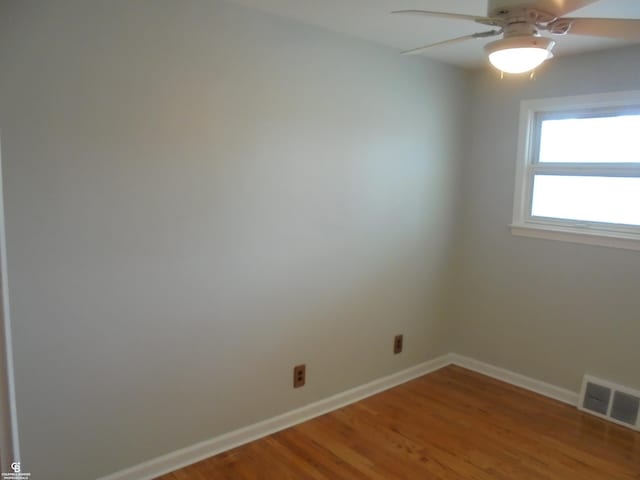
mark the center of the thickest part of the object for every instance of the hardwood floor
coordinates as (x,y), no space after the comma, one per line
(452,424)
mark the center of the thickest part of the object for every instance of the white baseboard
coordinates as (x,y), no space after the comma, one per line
(194,453)
(528,383)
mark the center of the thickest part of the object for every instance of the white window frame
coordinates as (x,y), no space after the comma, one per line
(592,233)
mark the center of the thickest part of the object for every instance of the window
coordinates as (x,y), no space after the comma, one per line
(578,172)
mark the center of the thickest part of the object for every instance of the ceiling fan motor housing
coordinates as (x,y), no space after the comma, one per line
(499,8)
(517,27)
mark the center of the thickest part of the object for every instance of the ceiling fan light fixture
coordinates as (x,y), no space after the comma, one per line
(519,54)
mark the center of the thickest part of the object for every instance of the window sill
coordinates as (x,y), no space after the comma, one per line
(605,239)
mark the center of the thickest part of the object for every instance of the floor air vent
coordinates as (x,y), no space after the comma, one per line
(614,402)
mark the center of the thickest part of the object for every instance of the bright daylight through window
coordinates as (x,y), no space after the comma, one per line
(578,175)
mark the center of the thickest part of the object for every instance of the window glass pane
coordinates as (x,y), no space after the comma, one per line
(590,199)
(591,140)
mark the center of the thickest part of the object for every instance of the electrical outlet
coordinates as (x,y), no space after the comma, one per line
(299,375)
(397,344)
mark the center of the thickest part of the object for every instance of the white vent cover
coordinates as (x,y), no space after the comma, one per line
(605,399)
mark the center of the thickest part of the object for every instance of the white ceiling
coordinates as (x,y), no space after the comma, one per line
(370,20)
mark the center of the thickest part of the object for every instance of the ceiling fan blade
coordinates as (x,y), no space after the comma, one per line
(621,28)
(561,7)
(416,51)
(455,16)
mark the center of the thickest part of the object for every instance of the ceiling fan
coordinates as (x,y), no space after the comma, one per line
(522,47)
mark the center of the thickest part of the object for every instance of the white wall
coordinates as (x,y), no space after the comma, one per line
(547,309)
(199,197)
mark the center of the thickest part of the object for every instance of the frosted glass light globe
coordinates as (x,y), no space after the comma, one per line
(519,54)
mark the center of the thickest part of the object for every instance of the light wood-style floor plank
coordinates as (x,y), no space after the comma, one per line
(452,424)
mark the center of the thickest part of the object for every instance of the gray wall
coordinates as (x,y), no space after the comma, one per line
(546,309)
(199,197)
